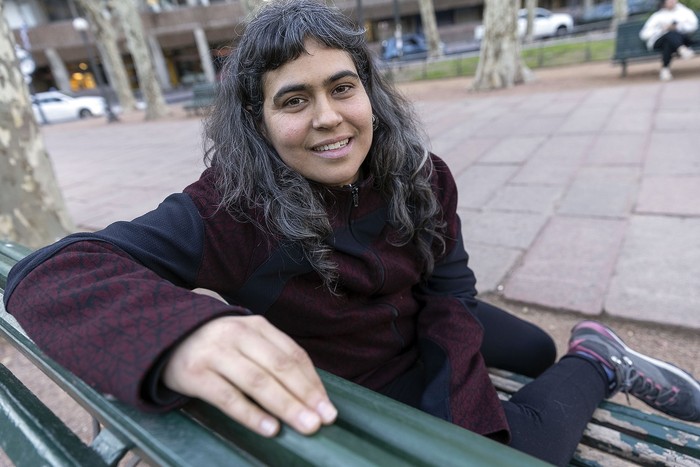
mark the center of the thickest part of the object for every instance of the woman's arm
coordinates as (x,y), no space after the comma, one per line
(115,308)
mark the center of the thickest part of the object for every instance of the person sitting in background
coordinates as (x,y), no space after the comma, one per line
(668,30)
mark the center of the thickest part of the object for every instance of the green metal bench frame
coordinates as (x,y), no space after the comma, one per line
(630,48)
(371,429)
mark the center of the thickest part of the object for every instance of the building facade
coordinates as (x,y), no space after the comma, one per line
(188,38)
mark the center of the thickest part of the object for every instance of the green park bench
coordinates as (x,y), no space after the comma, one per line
(630,48)
(203,95)
(371,429)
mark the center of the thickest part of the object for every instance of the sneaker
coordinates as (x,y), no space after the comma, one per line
(665,74)
(658,384)
(685,52)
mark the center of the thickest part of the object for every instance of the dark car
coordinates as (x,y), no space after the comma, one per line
(604,11)
(414,47)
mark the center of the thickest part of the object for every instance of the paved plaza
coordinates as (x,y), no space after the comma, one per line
(579,192)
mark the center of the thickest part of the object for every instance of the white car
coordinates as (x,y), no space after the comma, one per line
(58,107)
(546,24)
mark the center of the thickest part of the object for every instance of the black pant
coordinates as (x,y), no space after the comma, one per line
(668,44)
(513,344)
(547,416)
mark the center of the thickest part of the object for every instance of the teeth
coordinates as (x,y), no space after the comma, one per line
(328,147)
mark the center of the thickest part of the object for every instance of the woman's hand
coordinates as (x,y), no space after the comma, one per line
(253,372)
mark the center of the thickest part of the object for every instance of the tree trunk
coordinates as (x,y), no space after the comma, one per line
(500,63)
(105,34)
(620,13)
(427,16)
(530,28)
(130,21)
(32,211)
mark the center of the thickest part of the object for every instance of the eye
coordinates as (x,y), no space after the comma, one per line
(342,89)
(293,102)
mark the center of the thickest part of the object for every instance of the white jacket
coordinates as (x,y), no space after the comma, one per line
(658,23)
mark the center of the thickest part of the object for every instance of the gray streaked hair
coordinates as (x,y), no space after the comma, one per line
(251,176)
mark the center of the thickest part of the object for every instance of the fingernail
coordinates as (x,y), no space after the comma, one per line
(327,411)
(268,426)
(309,419)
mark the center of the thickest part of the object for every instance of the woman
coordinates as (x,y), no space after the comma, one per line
(668,30)
(332,236)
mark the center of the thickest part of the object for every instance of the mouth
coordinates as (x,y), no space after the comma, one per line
(332,146)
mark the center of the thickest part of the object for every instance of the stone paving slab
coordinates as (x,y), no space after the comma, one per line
(601,191)
(658,274)
(679,196)
(570,265)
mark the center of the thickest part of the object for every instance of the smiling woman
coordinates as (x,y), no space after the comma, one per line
(331,233)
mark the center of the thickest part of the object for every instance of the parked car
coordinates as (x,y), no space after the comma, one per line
(546,24)
(414,47)
(604,11)
(58,106)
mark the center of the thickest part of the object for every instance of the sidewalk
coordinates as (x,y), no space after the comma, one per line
(579,192)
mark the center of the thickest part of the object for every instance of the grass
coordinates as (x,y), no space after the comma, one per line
(536,56)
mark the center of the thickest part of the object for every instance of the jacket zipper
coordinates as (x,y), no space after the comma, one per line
(355,195)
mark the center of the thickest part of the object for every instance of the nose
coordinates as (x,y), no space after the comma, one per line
(326,115)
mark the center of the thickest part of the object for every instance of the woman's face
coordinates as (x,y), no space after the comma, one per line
(317,115)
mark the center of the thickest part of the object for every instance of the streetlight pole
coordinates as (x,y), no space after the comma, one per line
(81,25)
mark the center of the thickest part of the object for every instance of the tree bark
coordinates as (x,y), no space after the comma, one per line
(620,13)
(32,211)
(130,21)
(427,16)
(104,32)
(500,63)
(530,28)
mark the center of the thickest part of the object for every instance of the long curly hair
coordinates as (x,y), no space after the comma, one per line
(251,176)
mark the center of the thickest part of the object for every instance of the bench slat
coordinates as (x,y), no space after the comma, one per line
(376,430)
(629,447)
(433,441)
(37,436)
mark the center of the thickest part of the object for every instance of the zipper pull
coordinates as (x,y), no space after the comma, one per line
(355,196)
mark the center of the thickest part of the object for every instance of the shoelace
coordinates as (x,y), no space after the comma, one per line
(633,382)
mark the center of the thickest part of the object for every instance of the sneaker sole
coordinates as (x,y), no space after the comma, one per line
(601,329)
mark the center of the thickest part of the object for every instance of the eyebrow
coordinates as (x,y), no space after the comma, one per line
(302,87)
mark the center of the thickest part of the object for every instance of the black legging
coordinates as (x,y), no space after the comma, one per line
(547,416)
(669,43)
(513,344)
